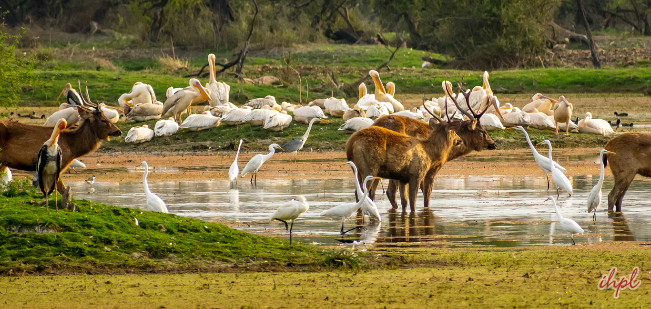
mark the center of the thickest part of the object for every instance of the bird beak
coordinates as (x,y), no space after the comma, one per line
(378,83)
(497,108)
(546,200)
(585,121)
(203,92)
(361,92)
(62,91)
(610,152)
(510,128)
(377,177)
(127,103)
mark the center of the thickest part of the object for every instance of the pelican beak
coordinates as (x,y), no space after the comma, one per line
(127,103)
(484,84)
(448,89)
(585,121)
(362,90)
(378,82)
(202,90)
(497,108)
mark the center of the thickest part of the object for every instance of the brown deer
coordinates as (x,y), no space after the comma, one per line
(632,156)
(20,143)
(474,137)
(381,152)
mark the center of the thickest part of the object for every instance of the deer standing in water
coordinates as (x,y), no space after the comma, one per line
(632,156)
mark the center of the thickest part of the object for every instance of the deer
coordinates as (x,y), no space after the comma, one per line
(384,153)
(632,156)
(20,143)
(474,137)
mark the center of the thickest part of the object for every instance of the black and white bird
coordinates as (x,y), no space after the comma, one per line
(49,164)
(91,180)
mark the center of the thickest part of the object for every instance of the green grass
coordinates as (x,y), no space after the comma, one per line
(106,237)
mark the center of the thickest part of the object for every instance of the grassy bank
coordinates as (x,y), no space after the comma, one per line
(104,238)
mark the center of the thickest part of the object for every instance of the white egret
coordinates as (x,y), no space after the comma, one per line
(235,169)
(343,211)
(154,203)
(542,161)
(290,211)
(560,180)
(256,162)
(568,225)
(594,198)
(368,208)
(49,164)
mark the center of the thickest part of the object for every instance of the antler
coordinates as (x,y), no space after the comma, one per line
(81,95)
(88,97)
(466,95)
(433,116)
(449,93)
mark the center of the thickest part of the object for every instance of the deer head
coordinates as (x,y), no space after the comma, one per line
(99,124)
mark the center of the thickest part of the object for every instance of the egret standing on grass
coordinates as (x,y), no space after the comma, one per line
(560,180)
(154,203)
(542,161)
(594,198)
(235,169)
(5,175)
(296,144)
(368,208)
(256,162)
(290,211)
(49,164)
(343,211)
(568,225)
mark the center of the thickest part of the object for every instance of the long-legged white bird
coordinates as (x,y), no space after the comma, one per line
(568,225)
(49,163)
(343,211)
(560,180)
(368,208)
(542,161)
(290,211)
(256,162)
(154,203)
(235,169)
(594,198)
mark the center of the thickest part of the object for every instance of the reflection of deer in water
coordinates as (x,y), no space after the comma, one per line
(632,156)
(410,227)
(620,227)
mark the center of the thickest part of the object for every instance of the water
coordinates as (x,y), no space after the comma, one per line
(465,210)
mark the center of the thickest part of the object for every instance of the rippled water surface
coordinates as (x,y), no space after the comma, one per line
(495,211)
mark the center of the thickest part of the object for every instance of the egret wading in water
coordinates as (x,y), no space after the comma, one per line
(48,168)
(368,207)
(560,180)
(235,169)
(568,225)
(343,211)
(296,144)
(290,211)
(542,161)
(594,198)
(154,203)
(256,162)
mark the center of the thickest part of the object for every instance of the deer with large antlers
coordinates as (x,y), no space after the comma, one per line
(473,136)
(20,143)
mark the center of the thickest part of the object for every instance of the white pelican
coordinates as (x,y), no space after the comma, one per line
(154,203)
(540,102)
(70,114)
(236,116)
(368,208)
(290,211)
(219,111)
(516,119)
(432,106)
(560,180)
(257,117)
(596,126)
(198,122)
(145,111)
(356,124)
(568,225)
(110,113)
(181,100)
(277,122)
(218,91)
(540,121)
(288,107)
(506,108)
(235,169)
(318,102)
(376,111)
(306,113)
(171,91)
(409,114)
(594,198)
(381,94)
(480,95)
(139,134)
(343,211)
(296,144)
(491,122)
(563,113)
(260,102)
(365,99)
(336,107)
(256,162)
(5,175)
(391,88)
(356,111)
(139,93)
(542,161)
(49,163)
(166,127)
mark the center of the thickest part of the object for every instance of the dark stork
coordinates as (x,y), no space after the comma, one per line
(49,166)
(72,96)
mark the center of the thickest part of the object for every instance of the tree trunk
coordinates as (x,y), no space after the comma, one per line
(413,30)
(595,60)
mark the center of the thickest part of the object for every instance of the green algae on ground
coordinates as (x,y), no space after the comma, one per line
(107,237)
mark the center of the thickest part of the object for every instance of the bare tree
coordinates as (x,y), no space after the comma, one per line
(581,9)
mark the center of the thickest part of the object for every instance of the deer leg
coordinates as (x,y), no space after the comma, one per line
(427,185)
(392,189)
(61,187)
(616,196)
(413,191)
(371,189)
(403,195)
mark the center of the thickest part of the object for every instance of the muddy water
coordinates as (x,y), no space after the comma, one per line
(466,210)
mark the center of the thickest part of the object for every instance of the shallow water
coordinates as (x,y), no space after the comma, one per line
(465,210)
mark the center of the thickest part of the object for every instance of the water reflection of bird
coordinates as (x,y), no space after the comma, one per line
(542,161)
(343,211)
(594,198)
(372,232)
(568,225)
(49,163)
(235,169)
(154,203)
(290,211)
(256,162)
(560,180)
(368,207)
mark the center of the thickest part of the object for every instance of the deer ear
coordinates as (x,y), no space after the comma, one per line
(83,113)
